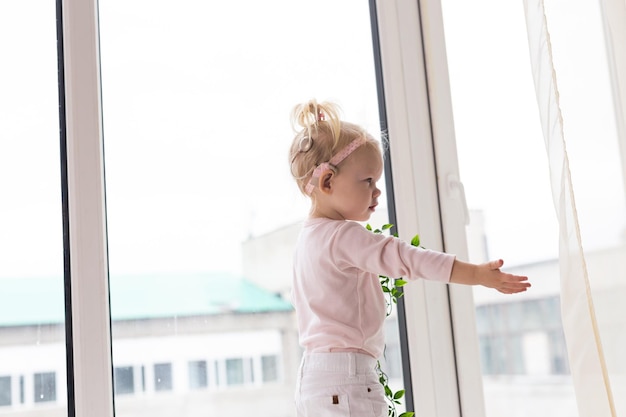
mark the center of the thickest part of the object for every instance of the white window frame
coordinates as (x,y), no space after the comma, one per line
(89,356)
(429,199)
(446,376)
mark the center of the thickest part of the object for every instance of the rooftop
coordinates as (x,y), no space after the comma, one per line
(31,301)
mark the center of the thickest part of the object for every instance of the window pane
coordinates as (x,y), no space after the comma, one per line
(590,104)
(270,368)
(5,391)
(197,374)
(504,168)
(32,348)
(45,387)
(124,380)
(163,377)
(234,371)
(202,211)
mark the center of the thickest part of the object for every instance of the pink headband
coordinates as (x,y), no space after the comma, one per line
(334,161)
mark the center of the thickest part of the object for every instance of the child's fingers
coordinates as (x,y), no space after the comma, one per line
(497,264)
(519,279)
(514,284)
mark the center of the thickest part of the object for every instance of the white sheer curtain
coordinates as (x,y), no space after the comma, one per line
(578,58)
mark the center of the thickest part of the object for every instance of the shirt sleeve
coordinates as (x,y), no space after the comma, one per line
(355,246)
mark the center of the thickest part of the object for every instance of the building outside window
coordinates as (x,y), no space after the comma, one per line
(163,377)
(5,390)
(198,377)
(45,387)
(269,365)
(124,380)
(234,371)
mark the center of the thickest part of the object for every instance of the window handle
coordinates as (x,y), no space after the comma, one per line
(457,190)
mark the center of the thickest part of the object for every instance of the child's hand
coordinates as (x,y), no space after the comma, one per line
(488,275)
(491,276)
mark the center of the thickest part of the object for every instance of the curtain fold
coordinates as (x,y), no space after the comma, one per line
(614,23)
(585,349)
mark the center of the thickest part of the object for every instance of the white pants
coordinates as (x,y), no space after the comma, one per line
(339,384)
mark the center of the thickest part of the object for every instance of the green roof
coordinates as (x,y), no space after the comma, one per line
(28,301)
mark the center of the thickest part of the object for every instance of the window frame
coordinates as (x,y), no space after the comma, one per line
(88,327)
(445,376)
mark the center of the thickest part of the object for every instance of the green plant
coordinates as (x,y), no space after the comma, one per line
(392,287)
(393,398)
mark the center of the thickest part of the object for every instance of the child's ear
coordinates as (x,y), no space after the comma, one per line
(325,181)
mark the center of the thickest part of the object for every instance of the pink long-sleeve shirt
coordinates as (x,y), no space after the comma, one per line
(336,291)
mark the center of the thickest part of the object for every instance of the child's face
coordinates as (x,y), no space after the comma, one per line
(353,194)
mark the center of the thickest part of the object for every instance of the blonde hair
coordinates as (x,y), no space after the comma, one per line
(320,134)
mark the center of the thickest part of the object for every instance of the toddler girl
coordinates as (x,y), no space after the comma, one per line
(339,303)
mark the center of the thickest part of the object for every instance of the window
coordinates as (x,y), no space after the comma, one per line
(269,365)
(45,387)
(21,389)
(124,380)
(31,237)
(163,377)
(251,370)
(5,390)
(198,377)
(164,105)
(234,371)
(522,337)
(199,250)
(503,167)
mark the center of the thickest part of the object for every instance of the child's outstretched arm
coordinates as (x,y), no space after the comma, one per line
(488,275)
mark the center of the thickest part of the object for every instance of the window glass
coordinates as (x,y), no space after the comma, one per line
(163,377)
(202,212)
(590,101)
(21,388)
(32,321)
(143,378)
(234,371)
(45,387)
(5,390)
(270,368)
(216,374)
(504,168)
(124,380)
(198,374)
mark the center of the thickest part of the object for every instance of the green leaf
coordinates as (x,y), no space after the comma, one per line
(392,289)
(398,394)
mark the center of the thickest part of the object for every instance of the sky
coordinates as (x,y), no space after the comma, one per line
(196,104)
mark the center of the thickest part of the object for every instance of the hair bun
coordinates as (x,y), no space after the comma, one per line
(310,113)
